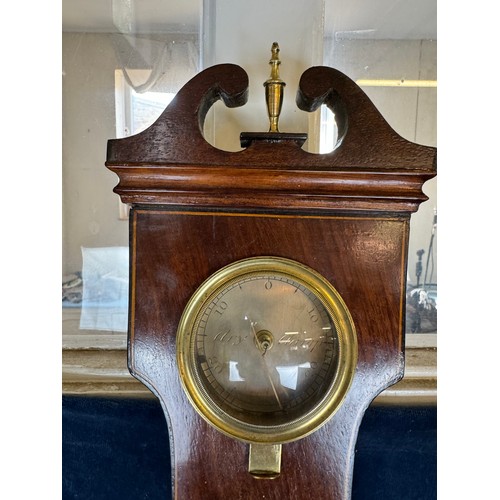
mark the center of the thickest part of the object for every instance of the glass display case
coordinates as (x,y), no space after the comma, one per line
(123,62)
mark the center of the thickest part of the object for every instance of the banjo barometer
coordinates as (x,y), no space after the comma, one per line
(267,286)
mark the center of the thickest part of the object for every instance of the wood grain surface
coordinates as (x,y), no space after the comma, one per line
(196,209)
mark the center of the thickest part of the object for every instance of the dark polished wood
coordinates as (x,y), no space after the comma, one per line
(170,162)
(196,209)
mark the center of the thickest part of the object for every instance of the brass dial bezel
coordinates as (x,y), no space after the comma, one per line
(331,400)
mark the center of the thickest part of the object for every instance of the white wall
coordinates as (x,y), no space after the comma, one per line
(243,33)
(90,209)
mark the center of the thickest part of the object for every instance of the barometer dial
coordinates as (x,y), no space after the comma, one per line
(266,350)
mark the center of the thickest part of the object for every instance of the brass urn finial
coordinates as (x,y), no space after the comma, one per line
(274,90)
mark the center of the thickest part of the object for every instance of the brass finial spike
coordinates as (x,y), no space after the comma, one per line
(274,89)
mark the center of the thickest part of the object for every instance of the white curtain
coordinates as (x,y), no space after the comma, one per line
(171,59)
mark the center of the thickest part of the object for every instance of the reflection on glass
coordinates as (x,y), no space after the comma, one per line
(290,374)
(265,344)
(395,65)
(105,289)
(122,65)
(234,374)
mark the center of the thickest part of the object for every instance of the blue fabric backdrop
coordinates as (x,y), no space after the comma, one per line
(119,449)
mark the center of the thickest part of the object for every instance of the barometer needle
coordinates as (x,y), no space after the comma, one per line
(272,385)
(259,345)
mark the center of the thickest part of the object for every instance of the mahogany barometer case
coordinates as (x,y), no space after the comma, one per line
(267,286)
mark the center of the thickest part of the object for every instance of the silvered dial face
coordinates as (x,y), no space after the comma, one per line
(266,350)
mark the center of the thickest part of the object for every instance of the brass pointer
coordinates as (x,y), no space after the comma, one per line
(264,346)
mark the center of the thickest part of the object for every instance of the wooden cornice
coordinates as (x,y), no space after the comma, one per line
(372,167)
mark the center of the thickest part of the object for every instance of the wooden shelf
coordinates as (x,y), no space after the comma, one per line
(95,364)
